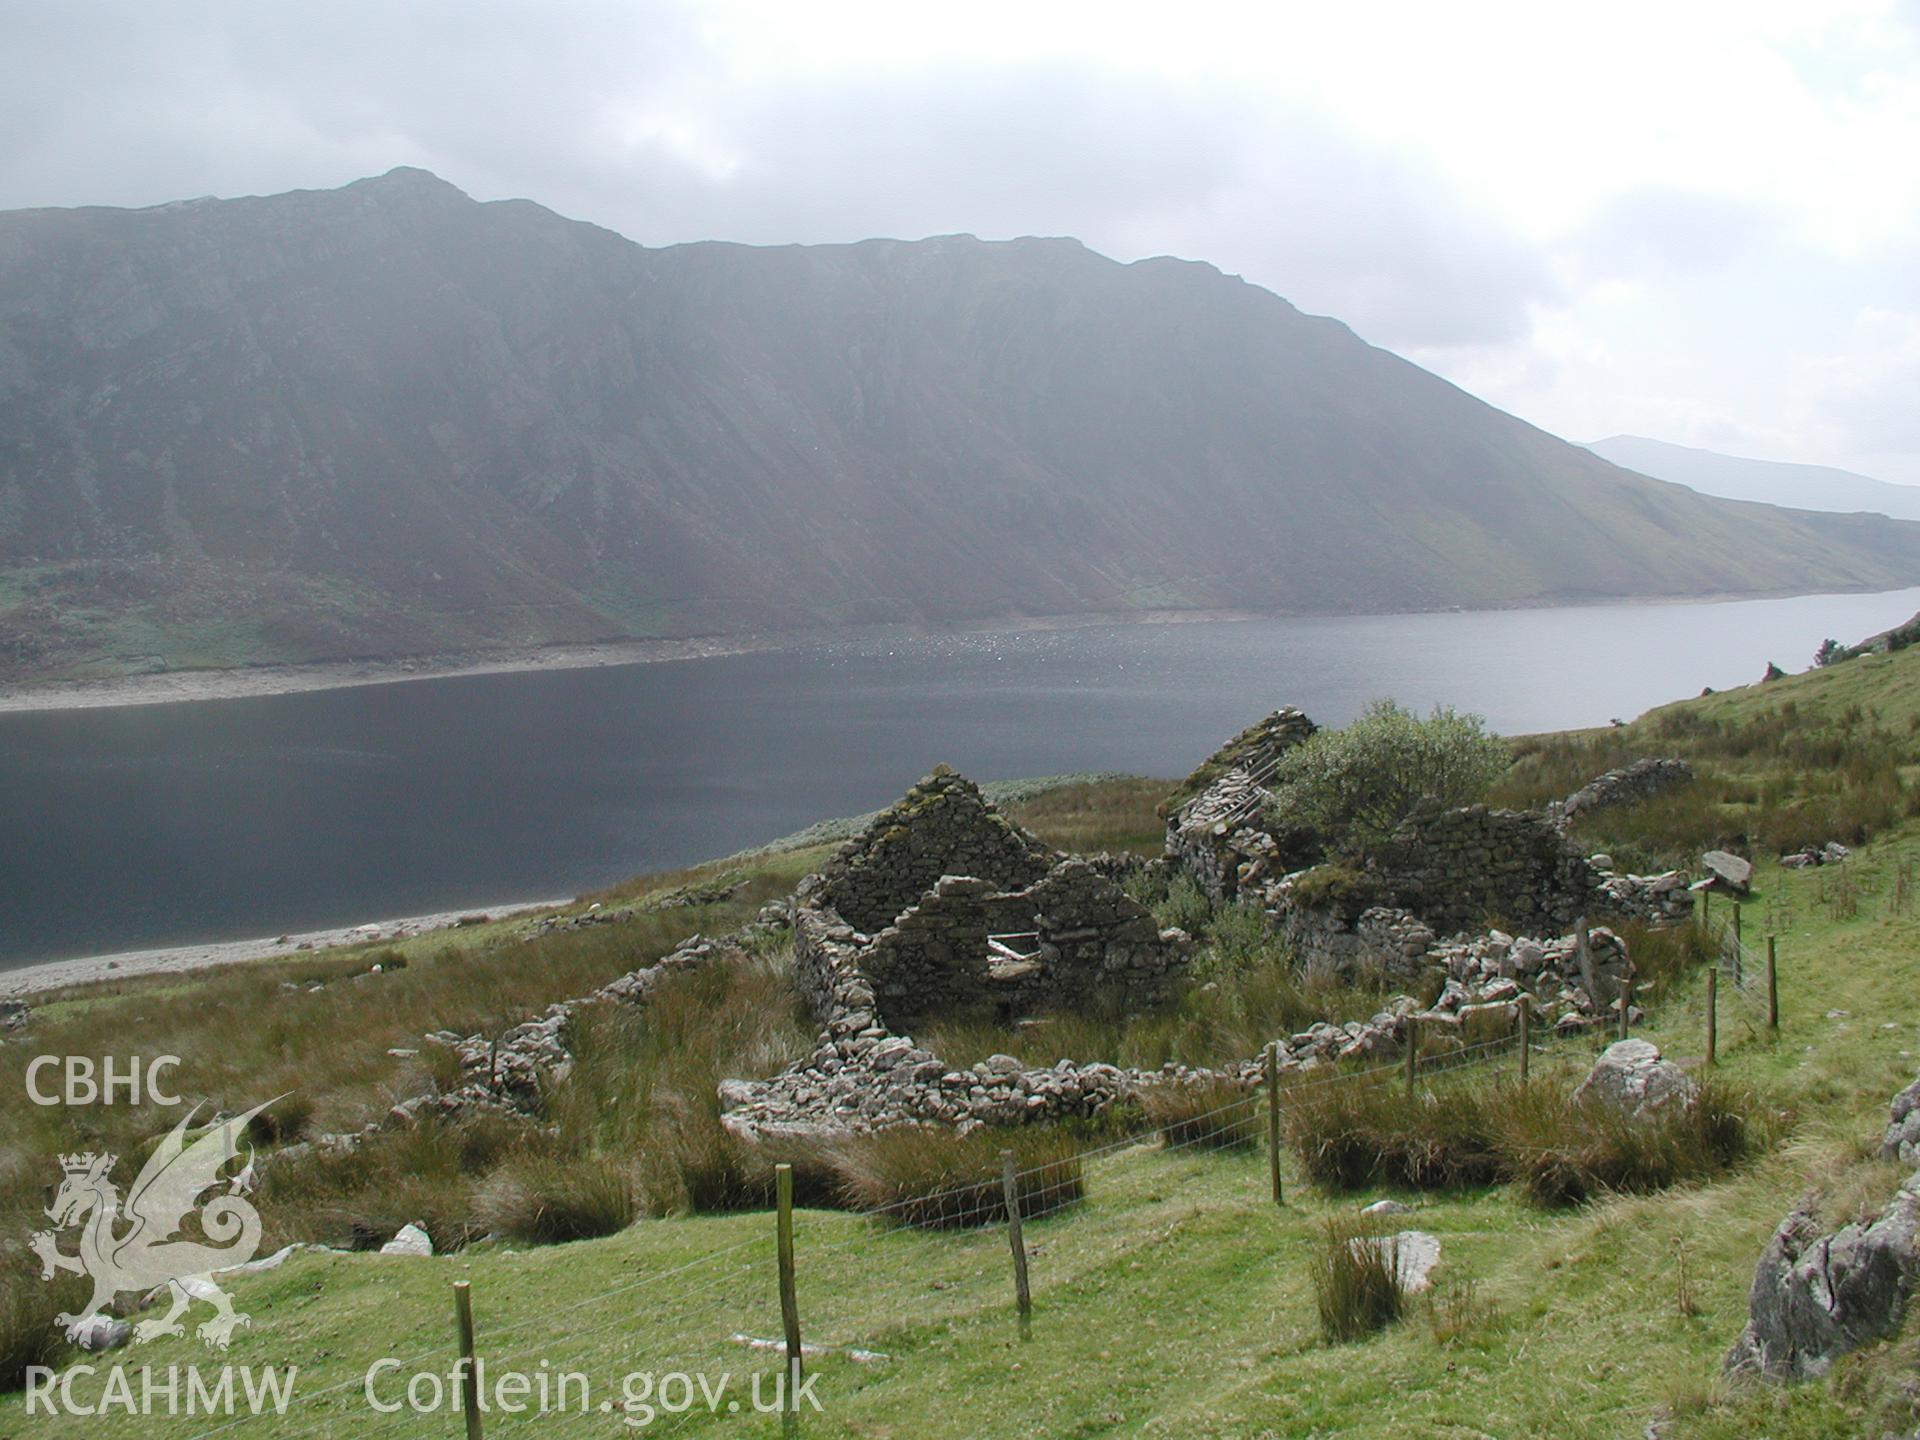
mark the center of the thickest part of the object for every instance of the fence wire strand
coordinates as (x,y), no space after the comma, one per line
(865,1237)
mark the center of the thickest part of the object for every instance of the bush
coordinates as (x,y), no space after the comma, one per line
(934,1178)
(1182,905)
(1353,786)
(1208,1115)
(548,1200)
(1356,1281)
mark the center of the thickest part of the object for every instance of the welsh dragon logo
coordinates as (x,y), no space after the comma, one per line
(129,1244)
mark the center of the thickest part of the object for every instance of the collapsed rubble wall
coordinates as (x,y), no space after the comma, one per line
(1633,784)
(1225,800)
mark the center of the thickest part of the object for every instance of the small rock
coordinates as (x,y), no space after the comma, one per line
(1386,1207)
(1415,1253)
(409,1240)
(99,1332)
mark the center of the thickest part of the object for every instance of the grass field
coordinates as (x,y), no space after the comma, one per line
(1175,1299)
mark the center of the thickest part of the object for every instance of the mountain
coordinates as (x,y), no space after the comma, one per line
(1771,482)
(388,420)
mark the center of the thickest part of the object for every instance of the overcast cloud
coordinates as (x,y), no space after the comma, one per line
(1700,223)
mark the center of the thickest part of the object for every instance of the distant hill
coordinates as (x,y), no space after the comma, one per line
(388,420)
(1771,482)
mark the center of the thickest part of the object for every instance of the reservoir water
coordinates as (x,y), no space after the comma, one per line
(168,824)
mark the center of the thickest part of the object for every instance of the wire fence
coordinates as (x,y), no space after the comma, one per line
(709,1304)
(713,1303)
(1747,976)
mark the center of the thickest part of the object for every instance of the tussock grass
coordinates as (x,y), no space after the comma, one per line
(547,1199)
(1664,955)
(1208,1115)
(1562,1153)
(1368,1133)
(28,1304)
(1356,1280)
(934,1179)
(1470,1133)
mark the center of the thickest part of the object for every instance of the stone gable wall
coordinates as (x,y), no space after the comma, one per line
(943,826)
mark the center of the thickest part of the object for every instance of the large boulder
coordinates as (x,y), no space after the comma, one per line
(1818,1296)
(1631,1077)
(1727,871)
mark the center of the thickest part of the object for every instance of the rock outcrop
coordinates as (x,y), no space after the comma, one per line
(1817,1296)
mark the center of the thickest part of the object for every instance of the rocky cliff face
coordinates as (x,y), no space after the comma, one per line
(386,419)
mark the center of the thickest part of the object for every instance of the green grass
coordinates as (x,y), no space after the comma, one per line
(1174,1298)
(1176,1293)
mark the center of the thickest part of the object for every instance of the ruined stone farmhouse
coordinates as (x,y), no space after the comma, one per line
(946,910)
(1444,872)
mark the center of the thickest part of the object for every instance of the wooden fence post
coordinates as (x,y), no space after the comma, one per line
(789,1296)
(1010,1191)
(1713,1012)
(1273,1118)
(1413,1051)
(469,1366)
(1526,1014)
(1739,950)
(1773,989)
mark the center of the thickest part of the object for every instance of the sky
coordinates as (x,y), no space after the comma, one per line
(1691,220)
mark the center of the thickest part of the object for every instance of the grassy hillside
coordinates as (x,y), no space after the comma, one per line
(1175,1300)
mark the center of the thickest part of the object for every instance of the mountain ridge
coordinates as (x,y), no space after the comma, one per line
(1768,482)
(389,420)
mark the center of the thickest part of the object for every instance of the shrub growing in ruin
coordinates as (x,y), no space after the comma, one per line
(1356,784)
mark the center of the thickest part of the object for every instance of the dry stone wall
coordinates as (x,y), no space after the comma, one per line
(1458,869)
(1629,785)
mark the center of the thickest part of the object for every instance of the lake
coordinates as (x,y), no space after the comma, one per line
(169,824)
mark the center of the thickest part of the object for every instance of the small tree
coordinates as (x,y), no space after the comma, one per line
(1355,785)
(1830,650)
